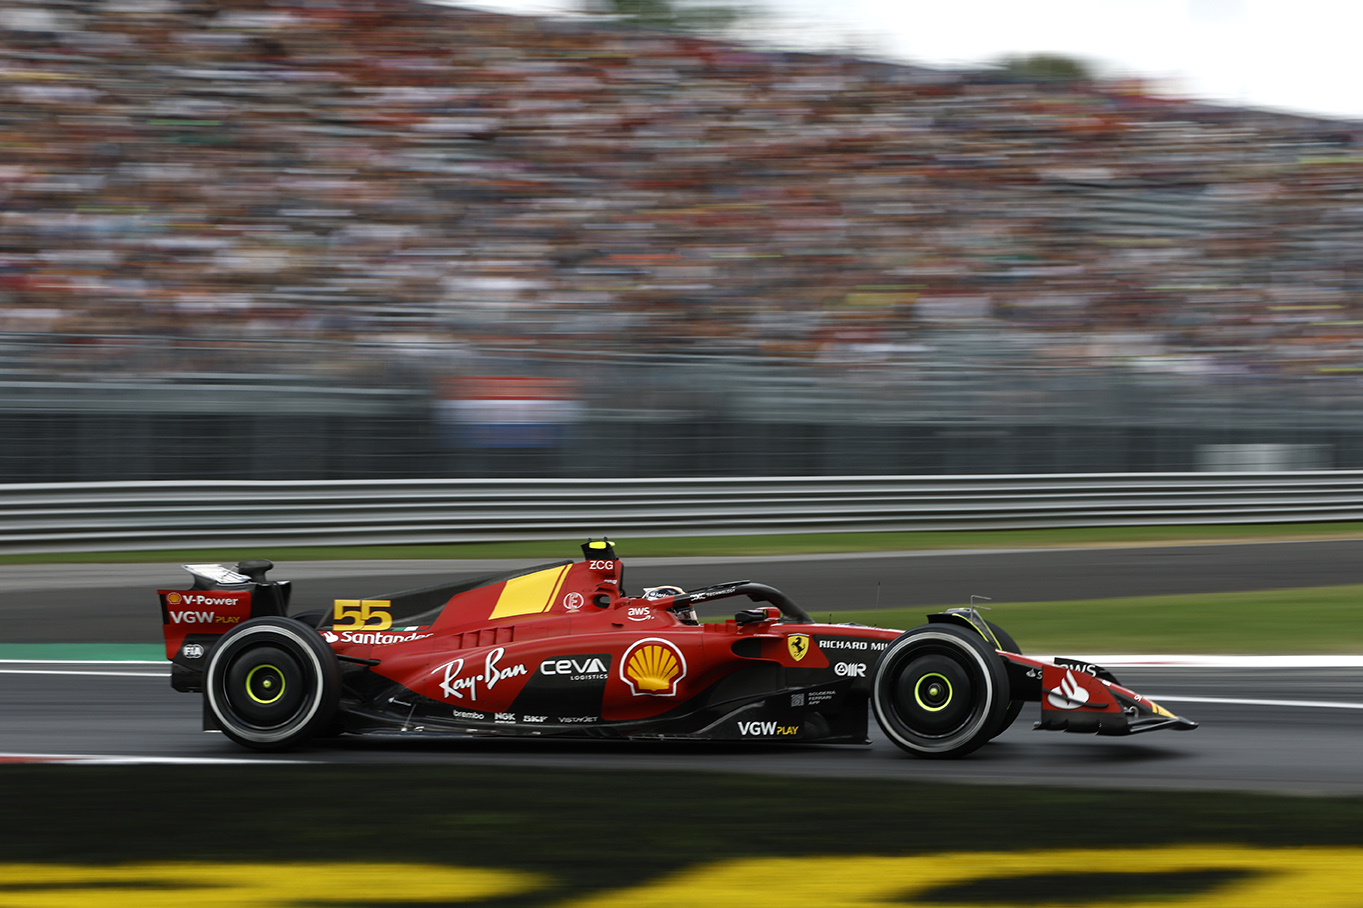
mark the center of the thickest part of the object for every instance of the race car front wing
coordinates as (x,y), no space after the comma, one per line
(1084,698)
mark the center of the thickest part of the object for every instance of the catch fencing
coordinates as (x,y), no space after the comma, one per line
(120,516)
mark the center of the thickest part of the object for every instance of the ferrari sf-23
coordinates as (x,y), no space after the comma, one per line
(561,650)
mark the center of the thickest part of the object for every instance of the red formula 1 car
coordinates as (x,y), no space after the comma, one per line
(561,650)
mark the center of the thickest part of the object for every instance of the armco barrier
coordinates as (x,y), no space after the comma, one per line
(114,516)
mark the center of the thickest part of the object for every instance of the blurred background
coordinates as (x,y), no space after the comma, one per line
(326,239)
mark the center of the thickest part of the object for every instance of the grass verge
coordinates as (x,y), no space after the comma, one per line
(1314,620)
(1322,620)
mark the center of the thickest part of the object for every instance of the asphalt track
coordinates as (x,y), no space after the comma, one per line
(1292,729)
(1300,745)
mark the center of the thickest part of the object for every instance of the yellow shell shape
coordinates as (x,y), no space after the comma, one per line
(653,667)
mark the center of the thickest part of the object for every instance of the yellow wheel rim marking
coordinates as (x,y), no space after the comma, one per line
(935,683)
(267,683)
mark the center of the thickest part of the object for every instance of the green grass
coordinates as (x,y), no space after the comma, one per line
(1309,620)
(1313,620)
(1324,620)
(702,546)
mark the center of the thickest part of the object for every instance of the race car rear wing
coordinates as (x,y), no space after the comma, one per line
(221,597)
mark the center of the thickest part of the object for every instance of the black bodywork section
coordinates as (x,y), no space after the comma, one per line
(808,704)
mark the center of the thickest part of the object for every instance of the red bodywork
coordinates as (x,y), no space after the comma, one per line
(489,642)
(560,649)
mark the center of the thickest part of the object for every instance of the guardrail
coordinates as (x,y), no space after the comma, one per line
(120,516)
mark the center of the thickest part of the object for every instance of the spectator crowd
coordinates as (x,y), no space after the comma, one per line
(393,172)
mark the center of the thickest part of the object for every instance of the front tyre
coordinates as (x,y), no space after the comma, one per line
(1008,645)
(272,683)
(939,691)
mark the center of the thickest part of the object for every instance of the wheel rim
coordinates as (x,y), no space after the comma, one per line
(934,694)
(264,686)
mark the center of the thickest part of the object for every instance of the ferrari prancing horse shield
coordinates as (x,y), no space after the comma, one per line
(798,645)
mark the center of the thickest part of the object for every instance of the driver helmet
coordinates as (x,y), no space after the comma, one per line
(686,612)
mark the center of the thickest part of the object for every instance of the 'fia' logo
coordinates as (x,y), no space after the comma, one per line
(798,644)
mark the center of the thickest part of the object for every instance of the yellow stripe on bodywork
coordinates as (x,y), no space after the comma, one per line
(532,594)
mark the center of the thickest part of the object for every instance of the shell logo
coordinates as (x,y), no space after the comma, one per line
(653,666)
(173,598)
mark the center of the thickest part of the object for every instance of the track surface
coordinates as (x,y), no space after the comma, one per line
(130,711)
(1239,747)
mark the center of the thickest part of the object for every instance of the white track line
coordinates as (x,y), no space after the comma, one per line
(1292,704)
(83,661)
(54,671)
(1125,661)
(1171,660)
(1213,661)
(105,668)
(108,760)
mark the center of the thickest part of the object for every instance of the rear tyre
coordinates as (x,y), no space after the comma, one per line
(272,683)
(1008,645)
(939,691)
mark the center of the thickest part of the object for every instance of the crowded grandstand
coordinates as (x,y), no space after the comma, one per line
(404,183)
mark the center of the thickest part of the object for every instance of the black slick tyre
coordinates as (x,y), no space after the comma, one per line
(1008,645)
(939,691)
(272,683)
